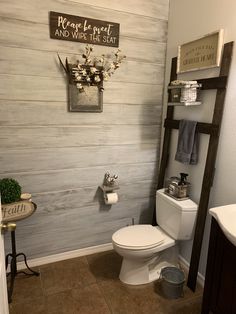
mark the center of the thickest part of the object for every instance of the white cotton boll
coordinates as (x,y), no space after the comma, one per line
(105,76)
(93,70)
(77,76)
(80,86)
(97,79)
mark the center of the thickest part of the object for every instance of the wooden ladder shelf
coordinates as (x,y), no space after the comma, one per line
(213,129)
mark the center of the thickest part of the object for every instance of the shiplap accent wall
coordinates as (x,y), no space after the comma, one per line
(61,157)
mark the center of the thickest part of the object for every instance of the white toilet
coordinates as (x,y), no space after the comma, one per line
(146,249)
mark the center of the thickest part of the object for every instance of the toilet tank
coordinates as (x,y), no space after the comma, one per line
(176,218)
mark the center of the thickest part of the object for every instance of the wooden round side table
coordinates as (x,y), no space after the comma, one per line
(11,213)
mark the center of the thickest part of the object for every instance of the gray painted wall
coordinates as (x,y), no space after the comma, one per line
(190,20)
(61,157)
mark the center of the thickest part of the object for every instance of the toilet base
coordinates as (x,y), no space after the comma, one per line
(135,272)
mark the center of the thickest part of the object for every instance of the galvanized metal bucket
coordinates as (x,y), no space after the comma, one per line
(172,282)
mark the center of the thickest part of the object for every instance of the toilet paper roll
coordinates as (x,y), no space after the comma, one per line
(111,198)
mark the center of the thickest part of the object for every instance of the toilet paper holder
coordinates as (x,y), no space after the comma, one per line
(109,185)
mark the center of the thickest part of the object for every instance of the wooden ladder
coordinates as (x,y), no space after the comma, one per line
(213,129)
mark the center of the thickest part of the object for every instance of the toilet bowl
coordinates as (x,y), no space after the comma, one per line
(147,249)
(141,262)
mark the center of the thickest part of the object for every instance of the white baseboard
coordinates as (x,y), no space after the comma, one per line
(65,255)
(185,265)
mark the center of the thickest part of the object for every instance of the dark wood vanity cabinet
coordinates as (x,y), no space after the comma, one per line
(219,295)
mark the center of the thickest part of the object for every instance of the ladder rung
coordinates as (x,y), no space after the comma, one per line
(213,82)
(206,128)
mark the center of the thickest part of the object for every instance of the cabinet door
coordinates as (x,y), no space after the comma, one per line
(223,297)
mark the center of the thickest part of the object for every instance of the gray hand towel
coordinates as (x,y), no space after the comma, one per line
(188,140)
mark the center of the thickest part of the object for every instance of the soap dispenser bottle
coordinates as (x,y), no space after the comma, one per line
(184,186)
(183,179)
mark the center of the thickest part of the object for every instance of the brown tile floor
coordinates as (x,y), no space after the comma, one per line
(90,285)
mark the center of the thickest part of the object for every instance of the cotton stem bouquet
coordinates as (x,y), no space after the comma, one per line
(92,70)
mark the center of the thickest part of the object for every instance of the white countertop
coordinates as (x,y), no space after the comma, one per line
(226,218)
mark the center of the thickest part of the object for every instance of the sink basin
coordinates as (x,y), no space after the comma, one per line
(226,218)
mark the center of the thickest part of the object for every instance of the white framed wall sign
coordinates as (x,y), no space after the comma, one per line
(202,53)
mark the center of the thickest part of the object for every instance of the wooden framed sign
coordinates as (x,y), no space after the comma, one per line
(82,29)
(17,211)
(200,54)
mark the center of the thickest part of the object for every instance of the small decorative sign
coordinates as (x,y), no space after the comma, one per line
(200,54)
(17,211)
(83,29)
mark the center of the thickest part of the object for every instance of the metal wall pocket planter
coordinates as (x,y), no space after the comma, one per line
(85,88)
(84,95)
(91,100)
(85,80)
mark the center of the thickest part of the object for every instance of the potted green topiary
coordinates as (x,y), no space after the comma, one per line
(10,190)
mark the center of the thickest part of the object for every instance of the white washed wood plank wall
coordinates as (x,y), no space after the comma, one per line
(61,157)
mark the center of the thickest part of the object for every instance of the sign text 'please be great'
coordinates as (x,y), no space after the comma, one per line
(83,29)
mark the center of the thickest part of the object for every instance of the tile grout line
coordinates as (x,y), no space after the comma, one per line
(104,297)
(97,283)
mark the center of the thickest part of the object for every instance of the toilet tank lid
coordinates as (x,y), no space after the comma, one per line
(185,205)
(138,236)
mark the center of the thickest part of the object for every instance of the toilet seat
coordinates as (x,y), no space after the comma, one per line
(138,237)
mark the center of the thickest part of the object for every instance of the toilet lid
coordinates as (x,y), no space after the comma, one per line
(138,236)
